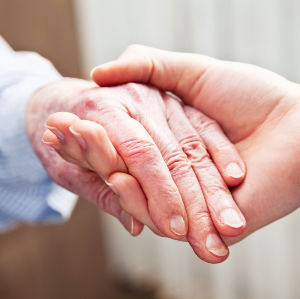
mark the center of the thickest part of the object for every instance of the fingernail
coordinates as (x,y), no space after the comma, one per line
(127,221)
(112,187)
(78,137)
(232,218)
(215,245)
(234,170)
(177,225)
(58,133)
(51,144)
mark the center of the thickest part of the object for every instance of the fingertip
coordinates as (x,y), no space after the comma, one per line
(137,228)
(212,249)
(132,225)
(125,182)
(132,199)
(231,223)
(91,130)
(107,74)
(215,245)
(178,225)
(234,173)
(58,118)
(93,71)
(51,140)
(48,136)
(232,232)
(101,68)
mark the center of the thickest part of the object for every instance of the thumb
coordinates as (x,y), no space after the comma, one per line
(179,73)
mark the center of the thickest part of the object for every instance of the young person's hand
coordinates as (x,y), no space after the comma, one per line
(160,149)
(258,110)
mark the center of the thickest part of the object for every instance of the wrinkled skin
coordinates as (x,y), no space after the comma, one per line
(135,118)
(257,109)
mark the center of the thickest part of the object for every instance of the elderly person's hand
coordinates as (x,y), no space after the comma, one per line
(258,110)
(141,123)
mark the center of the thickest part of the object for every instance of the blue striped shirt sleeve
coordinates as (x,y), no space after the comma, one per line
(27,193)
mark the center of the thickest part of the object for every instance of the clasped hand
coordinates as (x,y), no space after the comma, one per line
(169,165)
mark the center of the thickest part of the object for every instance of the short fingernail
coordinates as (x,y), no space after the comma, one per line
(177,225)
(215,245)
(56,132)
(234,170)
(127,221)
(232,218)
(51,144)
(112,187)
(78,137)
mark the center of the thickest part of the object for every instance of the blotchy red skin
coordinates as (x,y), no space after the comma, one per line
(59,96)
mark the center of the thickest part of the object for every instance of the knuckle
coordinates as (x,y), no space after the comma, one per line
(201,222)
(137,92)
(138,149)
(134,48)
(202,217)
(196,151)
(193,142)
(177,162)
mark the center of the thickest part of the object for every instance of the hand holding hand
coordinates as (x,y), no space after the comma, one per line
(257,109)
(154,157)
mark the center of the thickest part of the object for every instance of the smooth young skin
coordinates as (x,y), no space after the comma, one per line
(258,110)
(138,122)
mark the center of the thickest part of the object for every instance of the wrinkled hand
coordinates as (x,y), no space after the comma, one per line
(142,124)
(258,110)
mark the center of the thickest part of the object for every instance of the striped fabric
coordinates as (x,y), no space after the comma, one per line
(27,193)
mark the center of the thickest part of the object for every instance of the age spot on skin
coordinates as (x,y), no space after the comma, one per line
(90,105)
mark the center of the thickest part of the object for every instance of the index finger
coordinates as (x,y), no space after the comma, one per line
(145,162)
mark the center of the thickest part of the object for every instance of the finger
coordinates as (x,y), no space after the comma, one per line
(183,75)
(132,225)
(145,163)
(71,151)
(89,185)
(106,162)
(94,147)
(51,140)
(163,69)
(225,214)
(58,123)
(132,198)
(97,148)
(201,227)
(224,154)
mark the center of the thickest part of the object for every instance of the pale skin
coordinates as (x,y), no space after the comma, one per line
(258,110)
(145,142)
